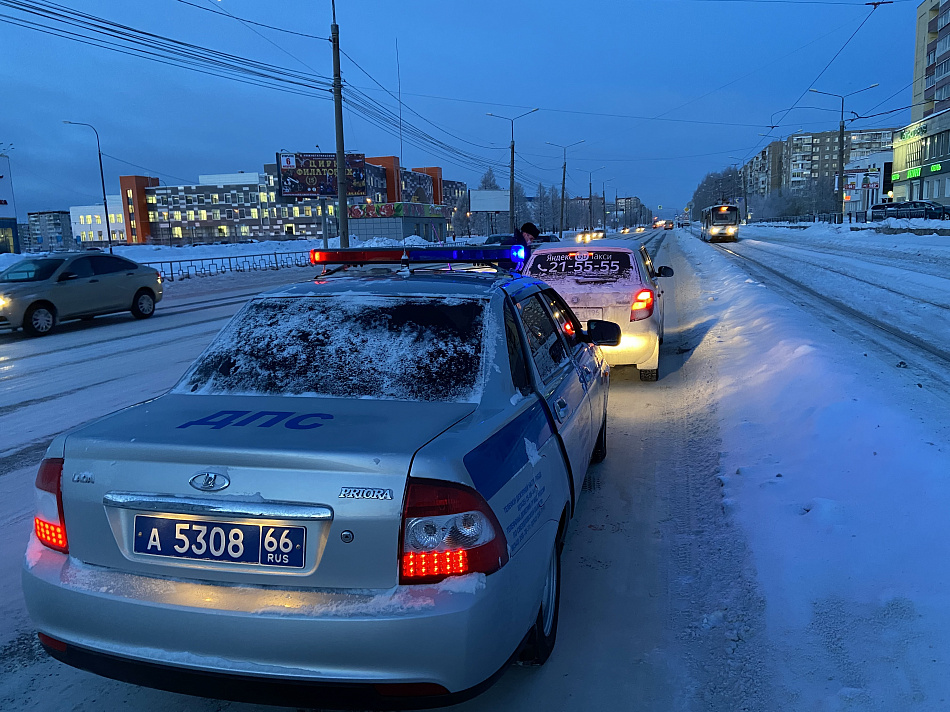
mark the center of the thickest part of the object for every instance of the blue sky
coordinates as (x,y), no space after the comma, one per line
(591,68)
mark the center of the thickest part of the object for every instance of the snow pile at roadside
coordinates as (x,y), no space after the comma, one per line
(836,466)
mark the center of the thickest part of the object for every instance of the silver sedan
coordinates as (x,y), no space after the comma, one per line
(356,496)
(36,293)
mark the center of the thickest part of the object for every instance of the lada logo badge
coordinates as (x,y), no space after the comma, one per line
(209,481)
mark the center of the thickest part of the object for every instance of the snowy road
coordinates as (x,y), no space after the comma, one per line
(768,531)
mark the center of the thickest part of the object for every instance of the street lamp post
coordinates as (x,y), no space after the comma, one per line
(560,235)
(840,197)
(590,196)
(605,203)
(511,183)
(102,177)
(745,193)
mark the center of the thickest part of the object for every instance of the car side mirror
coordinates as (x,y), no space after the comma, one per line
(664,272)
(67,277)
(603,333)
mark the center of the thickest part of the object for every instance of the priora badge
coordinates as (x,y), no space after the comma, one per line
(365,493)
(209,481)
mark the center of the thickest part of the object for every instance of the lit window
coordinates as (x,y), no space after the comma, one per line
(319,211)
(128,193)
(308,211)
(283,212)
(202,214)
(214,198)
(245,230)
(98,220)
(150,199)
(152,216)
(330,210)
(177,214)
(119,218)
(273,197)
(82,219)
(176,231)
(132,224)
(253,212)
(191,214)
(89,219)
(131,208)
(263,197)
(296,211)
(273,212)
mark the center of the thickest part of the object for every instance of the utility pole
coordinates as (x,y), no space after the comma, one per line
(560,234)
(511,177)
(102,177)
(590,195)
(839,193)
(341,182)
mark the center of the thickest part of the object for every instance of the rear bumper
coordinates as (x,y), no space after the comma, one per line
(639,345)
(186,635)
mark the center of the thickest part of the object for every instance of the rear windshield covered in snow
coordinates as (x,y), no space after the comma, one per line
(348,346)
(580,263)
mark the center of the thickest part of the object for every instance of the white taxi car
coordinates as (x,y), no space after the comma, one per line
(356,496)
(613,282)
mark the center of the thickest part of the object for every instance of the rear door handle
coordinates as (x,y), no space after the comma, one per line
(588,374)
(561,409)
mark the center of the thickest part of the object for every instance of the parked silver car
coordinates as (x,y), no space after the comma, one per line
(360,489)
(36,293)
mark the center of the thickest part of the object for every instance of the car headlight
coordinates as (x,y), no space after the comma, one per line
(4,302)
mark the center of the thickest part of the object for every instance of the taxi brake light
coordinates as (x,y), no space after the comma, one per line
(642,306)
(49,523)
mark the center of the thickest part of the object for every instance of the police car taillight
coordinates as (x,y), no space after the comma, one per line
(398,255)
(448,529)
(642,305)
(49,523)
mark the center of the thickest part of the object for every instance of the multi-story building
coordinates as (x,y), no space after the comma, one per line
(921,169)
(51,230)
(88,223)
(452,192)
(763,173)
(9,234)
(931,86)
(814,156)
(23,231)
(249,205)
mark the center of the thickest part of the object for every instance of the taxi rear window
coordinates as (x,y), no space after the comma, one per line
(347,346)
(580,263)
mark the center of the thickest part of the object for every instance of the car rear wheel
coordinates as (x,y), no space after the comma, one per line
(541,638)
(143,305)
(39,320)
(649,374)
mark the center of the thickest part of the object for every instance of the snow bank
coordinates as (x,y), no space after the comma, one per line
(835,464)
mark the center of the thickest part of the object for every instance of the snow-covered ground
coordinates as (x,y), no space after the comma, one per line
(769,529)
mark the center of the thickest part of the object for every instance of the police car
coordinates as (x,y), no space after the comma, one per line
(356,496)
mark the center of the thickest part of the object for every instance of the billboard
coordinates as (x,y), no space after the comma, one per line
(6,189)
(313,175)
(862,179)
(399,210)
(489,201)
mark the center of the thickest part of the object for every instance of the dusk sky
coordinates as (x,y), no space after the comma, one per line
(599,71)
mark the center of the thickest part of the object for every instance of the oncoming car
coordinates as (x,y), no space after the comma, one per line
(36,293)
(356,496)
(615,283)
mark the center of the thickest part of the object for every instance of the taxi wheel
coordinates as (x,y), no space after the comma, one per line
(39,319)
(649,374)
(143,304)
(600,447)
(541,638)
